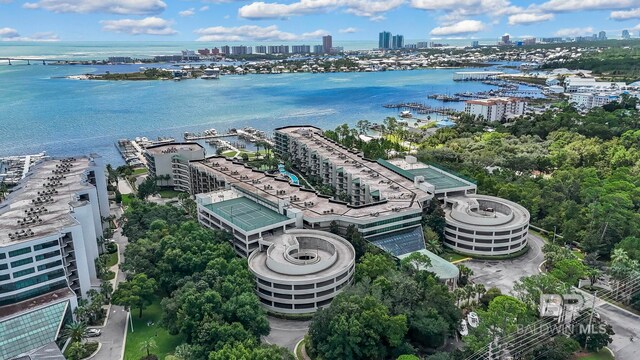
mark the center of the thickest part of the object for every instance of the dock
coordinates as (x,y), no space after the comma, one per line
(422,108)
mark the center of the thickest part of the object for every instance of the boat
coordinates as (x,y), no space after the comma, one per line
(406,114)
(473,319)
(211,74)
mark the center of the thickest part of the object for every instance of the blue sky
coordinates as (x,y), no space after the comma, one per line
(307,20)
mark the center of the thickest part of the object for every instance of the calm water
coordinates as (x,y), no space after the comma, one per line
(39,112)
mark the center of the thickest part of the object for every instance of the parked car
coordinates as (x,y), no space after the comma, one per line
(93,332)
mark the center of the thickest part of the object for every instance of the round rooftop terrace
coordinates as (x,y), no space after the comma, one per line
(302,270)
(485,225)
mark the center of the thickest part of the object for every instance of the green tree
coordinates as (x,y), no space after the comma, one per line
(569,271)
(373,266)
(432,241)
(135,293)
(75,351)
(529,289)
(250,351)
(76,331)
(148,187)
(334,228)
(559,348)
(593,337)
(356,327)
(147,346)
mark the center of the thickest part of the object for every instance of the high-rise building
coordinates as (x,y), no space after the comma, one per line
(475,43)
(278,49)
(397,42)
(240,50)
(423,44)
(626,34)
(225,50)
(505,40)
(261,49)
(318,49)
(602,35)
(215,51)
(327,44)
(384,40)
(50,223)
(301,49)
(529,41)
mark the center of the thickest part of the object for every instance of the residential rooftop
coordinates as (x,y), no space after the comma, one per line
(274,189)
(173,148)
(440,179)
(368,171)
(41,203)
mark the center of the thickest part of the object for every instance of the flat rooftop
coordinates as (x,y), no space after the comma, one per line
(440,179)
(369,172)
(246,214)
(275,189)
(54,182)
(173,148)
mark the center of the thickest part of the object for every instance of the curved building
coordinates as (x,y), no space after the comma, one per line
(300,271)
(485,225)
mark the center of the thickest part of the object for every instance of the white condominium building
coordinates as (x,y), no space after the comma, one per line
(50,223)
(496,109)
(170,163)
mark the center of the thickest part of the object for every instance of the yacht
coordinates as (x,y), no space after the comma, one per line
(211,74)
(406,114)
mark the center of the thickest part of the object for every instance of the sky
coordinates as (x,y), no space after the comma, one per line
(306,21)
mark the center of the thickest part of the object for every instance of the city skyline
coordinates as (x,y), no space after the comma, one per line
(307,21)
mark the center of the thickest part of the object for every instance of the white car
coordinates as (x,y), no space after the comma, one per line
(93,332)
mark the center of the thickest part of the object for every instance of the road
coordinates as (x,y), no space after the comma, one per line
(286,333)
(113,333)
(504,273)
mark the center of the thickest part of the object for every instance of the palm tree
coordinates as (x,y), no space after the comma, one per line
(106,289)
(434,245)
(75,351)
(148,345)
(76,331)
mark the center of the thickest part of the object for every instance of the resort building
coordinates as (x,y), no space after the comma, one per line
(496,109)
(575,84)
(50,224)
(300,271)
(586,101)
(169,163)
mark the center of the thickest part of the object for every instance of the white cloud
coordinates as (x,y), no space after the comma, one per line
(227,17)
(10,34)
(147,26)
(462,27)
(204,8)
(571,32)
(120,7)
(253,33)
(457,10)
(349,30)
(188,12)
(529,18)
(368,8)
(625,14)
(580,5)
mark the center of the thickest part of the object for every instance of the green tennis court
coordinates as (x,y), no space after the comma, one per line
(246,214)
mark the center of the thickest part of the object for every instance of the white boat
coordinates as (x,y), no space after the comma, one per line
(473,319)
(464,330)
(211,74)
(406,114)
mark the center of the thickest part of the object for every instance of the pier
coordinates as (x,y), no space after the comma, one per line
(422,108)
(44,61)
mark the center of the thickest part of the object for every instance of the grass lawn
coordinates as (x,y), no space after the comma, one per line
(143,331)
(113,259)
(603,354)
(452,256)
(140,171)
(168,194)
(126,199)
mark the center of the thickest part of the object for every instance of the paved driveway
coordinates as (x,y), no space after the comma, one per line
(286,333)
(113,333)
(504,273)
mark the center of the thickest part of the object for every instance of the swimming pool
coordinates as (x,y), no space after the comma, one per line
(292,177)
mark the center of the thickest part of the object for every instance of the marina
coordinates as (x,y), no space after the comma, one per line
(421,108)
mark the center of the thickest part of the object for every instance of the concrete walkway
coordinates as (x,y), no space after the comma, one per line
(113,333)
(286,333)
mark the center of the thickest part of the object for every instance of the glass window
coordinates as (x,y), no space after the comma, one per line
(21,262)
(24,272)
(24,250)
(45,245)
